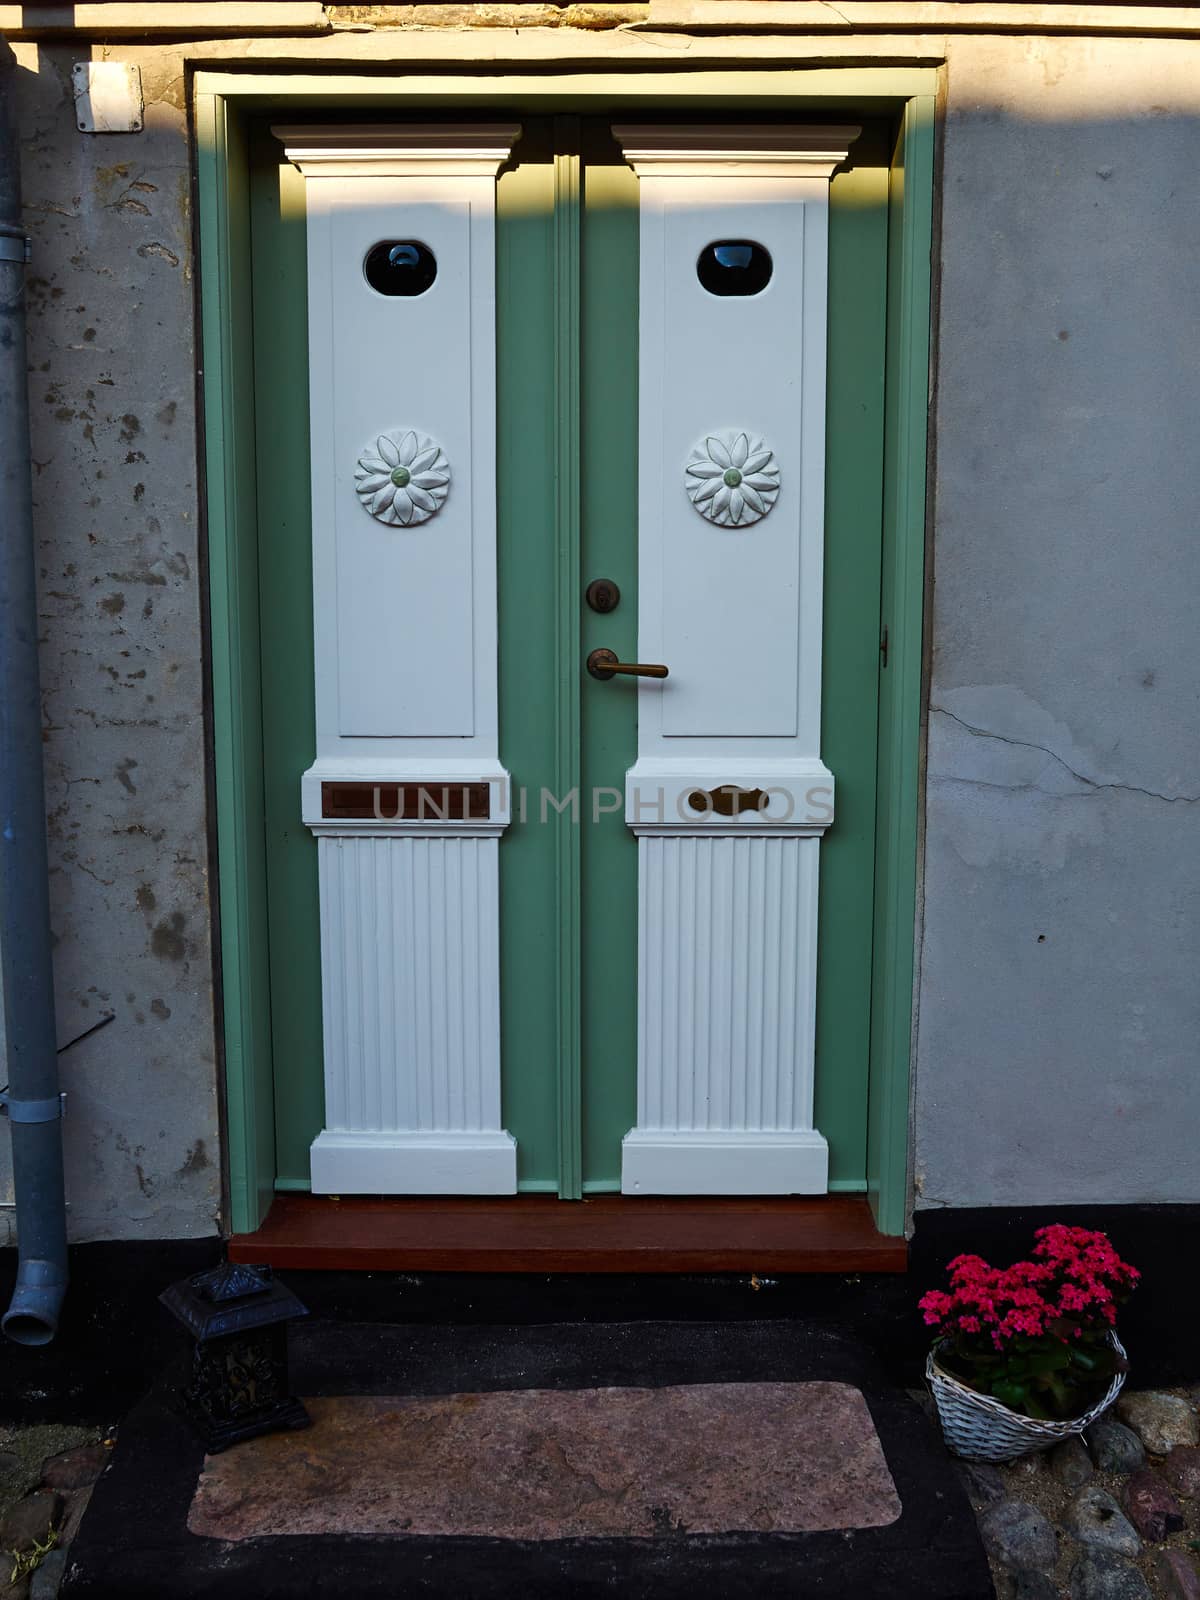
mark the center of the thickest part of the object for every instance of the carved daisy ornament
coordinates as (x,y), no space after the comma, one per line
(404,480)
(732,479)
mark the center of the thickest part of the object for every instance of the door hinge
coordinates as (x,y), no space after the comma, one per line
(883,647)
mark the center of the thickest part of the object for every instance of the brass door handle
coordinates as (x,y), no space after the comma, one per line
(603,664)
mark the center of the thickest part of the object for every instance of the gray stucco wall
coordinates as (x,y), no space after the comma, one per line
(114,450)
(1059,1006)
(1059,999)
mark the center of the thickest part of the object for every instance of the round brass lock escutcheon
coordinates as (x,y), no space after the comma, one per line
(602,595)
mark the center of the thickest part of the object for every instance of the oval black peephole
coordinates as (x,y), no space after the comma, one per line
(734,266)
(400,267)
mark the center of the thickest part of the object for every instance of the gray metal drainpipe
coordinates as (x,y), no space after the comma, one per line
(32,1101)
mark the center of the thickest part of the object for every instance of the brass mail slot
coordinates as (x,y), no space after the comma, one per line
(728,800)
(406,802)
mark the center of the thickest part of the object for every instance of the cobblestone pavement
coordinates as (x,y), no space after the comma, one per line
(1111,1515)
(47,1473)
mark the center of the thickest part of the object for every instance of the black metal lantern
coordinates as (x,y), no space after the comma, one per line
(238,1386)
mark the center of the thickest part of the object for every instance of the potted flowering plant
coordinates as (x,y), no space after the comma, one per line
(1027,1354)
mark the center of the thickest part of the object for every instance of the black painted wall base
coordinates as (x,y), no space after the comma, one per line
(115,1337)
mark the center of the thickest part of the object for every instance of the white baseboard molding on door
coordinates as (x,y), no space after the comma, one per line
(483,1162)
(659,1161)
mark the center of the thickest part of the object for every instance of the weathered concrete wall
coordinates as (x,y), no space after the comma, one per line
(1058,999)
(1059,1003)
(112,387)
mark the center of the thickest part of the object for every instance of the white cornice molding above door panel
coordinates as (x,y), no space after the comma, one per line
(736,151)
(431,150)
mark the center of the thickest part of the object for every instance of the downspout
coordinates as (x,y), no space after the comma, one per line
(32,1100)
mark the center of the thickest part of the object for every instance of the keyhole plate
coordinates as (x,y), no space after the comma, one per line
(602,595)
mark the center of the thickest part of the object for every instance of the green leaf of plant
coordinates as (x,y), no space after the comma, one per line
(1012,1394)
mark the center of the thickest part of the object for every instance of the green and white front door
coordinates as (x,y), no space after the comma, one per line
(582,394)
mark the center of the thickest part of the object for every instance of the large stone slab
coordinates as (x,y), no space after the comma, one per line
(560,1464)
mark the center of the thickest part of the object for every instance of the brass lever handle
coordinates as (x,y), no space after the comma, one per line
(603,664)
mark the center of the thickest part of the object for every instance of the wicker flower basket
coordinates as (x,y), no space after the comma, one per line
(978,1427)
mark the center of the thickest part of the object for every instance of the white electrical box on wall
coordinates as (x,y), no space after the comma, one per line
(108,97)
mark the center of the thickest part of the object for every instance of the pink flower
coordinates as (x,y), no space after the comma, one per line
(1072,1298)
(1071,1284)
(935,1305)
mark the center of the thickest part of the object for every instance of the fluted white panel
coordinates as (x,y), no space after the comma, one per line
(727,940)
(410,988)
(727,1001)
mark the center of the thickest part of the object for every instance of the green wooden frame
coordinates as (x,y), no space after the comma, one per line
(898,805)
(221,102)
(567,228)
(232,559)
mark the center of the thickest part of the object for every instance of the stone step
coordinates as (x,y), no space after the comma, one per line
(570,1459)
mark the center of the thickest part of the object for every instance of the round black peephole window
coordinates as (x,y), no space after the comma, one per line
(400,267)
(734,266)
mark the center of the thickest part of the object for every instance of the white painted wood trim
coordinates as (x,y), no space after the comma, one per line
(801,798)
(684,573)
(435,775)
(431,150)
(405,628)
(731,600)
(723,1163)
(735,151)
(422,1163)
(410,981)
(727,933)
(405,652)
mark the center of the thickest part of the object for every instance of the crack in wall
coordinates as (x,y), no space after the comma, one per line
(840,15)
(1027,744)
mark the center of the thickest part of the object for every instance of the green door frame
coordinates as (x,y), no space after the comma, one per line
(223,102)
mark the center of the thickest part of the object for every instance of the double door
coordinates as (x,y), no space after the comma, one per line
(582,395)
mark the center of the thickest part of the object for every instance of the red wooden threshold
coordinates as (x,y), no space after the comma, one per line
(539,1233)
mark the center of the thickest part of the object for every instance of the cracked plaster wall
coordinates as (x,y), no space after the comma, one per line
(111,388)
(1059,1005)
(1055,1048)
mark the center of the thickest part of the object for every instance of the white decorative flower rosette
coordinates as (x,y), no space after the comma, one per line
(404,480)
(732,479)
